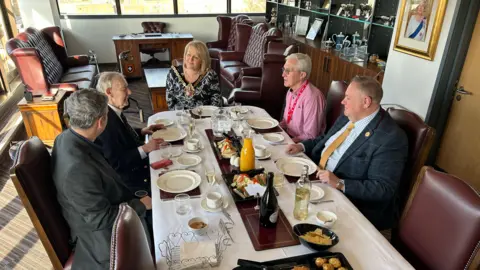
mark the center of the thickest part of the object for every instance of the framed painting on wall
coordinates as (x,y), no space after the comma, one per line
(419,27)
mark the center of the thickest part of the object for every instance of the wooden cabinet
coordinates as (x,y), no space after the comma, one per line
(159,99)
(43,119)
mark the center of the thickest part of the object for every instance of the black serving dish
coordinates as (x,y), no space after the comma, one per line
(288,263)
(303,228)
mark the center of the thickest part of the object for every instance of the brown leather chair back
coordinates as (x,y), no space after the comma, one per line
(420,139)
(440,227)
(232,36)
(32,177)
(335,95)
(129,245)
(154,27)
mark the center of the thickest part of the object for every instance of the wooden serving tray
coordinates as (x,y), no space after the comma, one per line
(266,238)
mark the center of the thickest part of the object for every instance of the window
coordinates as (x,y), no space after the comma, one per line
(88,7)
(146,6)
(202,7)
(248,6)
(159,7)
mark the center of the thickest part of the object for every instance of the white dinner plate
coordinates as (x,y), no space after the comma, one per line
(205,207)
(273,138)
(239,109)
(207,111)
(189,160)
(170,134)
(293,166)
(178,181)
(316,193)
(262,123)
(164,122)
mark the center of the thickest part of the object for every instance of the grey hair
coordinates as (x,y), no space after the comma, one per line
(106,79)
(370,87)
(304,63)
(85,107)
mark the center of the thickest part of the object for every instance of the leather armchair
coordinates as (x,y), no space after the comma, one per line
(335,95)
(129,245)
(152,27)
(227,34)
(43,63)
(420,139)
(251,44)
(267,91)
(440,226)
(33,181)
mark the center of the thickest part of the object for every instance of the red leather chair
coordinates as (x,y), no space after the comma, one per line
(267,91)
(227,34)
(129,245)
(247,59)
(335,95)
(44,65)
(420,139)
(440,226)
(33,181)
(152,27)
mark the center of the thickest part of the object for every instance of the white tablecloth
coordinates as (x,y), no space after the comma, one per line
(362,244)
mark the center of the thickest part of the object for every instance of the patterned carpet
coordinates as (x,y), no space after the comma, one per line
(20,247)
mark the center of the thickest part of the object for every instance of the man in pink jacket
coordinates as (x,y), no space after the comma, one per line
(304,115)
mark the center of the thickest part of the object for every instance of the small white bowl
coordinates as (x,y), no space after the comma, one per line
(323,216)
(197,220)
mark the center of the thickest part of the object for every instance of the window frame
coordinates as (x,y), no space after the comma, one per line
(175,15)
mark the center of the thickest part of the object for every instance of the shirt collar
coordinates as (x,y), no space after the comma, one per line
(296,92)
(90,143)
(117,111)
(361,124)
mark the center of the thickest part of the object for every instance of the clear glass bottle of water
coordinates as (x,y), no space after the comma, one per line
(302,195)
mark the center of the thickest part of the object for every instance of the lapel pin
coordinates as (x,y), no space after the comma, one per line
(367,134)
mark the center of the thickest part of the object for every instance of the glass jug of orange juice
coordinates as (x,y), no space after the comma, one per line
(247,155)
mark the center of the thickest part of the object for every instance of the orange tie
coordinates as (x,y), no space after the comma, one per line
(334,145)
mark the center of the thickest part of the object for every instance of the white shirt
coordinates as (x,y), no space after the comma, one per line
(118,112)
(356,131)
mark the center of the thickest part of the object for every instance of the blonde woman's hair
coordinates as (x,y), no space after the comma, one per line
(202,51)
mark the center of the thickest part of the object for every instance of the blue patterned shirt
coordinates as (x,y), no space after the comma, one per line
(356,131)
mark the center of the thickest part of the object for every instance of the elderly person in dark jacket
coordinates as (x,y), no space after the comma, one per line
(363,154)
(88,189)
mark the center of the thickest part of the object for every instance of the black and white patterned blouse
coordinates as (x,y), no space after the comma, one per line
(207,90)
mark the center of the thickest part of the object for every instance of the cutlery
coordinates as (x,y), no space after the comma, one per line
(257,265)
(319,202)
(226,214)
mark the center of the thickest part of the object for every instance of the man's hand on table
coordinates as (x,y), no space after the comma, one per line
(153,144)
(152,128)
(292,149)
(327,177)
(147,201)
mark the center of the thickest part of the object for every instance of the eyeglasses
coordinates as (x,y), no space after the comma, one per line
(287,70)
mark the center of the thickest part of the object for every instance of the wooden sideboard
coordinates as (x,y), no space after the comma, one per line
(156,81)
(132,65)
(327,66)
(43,119)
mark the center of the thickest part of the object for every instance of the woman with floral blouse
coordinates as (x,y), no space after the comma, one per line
(194,83)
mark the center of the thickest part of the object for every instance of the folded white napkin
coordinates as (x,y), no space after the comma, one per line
(194,250)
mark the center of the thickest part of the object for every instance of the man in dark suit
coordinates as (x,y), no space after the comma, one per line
(121,144)
(88,189)
(363,154)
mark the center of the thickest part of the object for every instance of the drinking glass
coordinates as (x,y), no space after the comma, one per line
(210,173)
(165,150)
(182,204)
(278,179)
(141,193)
(179,109)
(191,128)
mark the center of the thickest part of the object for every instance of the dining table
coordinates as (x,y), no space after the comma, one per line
(360,242)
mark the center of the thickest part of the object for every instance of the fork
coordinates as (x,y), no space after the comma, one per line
(319,202)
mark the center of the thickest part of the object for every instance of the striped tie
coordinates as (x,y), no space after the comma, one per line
(334,145)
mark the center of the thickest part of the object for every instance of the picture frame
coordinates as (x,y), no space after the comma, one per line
(316,26)
(301,25)
(419,26)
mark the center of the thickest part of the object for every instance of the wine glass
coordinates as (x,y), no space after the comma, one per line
(210,173)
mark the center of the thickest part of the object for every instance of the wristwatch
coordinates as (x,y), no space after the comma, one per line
(341,185)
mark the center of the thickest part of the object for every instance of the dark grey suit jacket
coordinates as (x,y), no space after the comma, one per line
(89,191)
(371,167)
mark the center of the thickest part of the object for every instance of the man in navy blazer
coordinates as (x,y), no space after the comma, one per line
(363,154)
(122,146)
